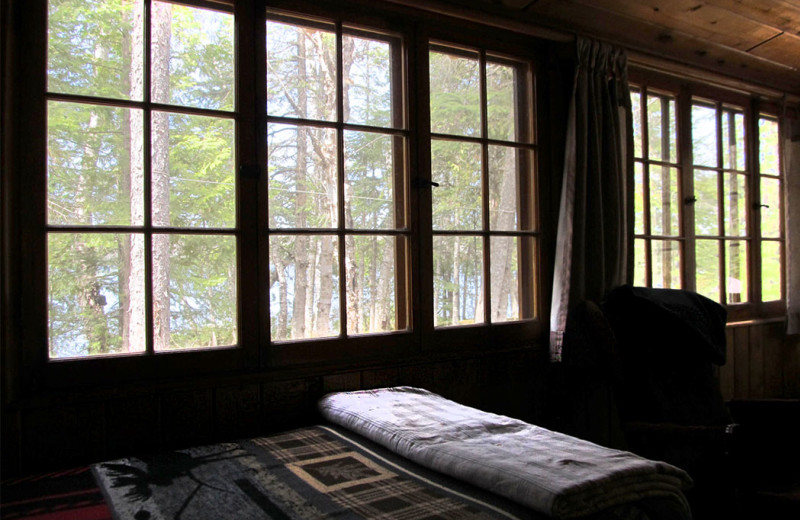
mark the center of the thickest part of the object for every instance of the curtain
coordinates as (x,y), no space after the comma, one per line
(594,243)
(791,174)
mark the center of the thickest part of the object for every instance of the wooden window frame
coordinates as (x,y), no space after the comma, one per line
(685,93)
(24,250)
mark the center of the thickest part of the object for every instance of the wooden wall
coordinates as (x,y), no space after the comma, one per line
(79,428)
(762,362)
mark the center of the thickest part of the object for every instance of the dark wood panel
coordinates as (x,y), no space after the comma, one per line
(741,372)
(187,418)
(755,362)
(726,371)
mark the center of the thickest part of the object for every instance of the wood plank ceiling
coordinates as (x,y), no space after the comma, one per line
(757,41)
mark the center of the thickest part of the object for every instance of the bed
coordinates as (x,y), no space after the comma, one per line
(393,453)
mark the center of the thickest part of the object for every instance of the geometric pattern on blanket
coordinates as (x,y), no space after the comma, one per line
(312,472)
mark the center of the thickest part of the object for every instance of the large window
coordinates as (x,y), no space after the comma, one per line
(708,198)
(482,154)
(286,188)
(141,193)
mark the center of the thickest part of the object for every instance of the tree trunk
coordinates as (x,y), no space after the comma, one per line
(132,297)
(161,36)
(502,283)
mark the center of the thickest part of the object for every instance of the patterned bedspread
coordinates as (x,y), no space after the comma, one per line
(311,473)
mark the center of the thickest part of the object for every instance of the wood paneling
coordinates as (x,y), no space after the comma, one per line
(762,362)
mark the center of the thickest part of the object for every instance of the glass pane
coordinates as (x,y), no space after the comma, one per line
(771,207)
(193,180)
(666,264)
(302,177)
(768,146)
(367,65)
(638,198)
(96,299)
(455,94)
(457,280)
(101,36)
(706,190)
(640,263)
(771,273)
(371,291)
(636,115)
(369,171)
(194,291)
(736,270)
(664,205)
(735,204)
(708,275)
(733,140)
(301,71)
(501,102)
(503,190)
(505,282)
(303,286)
(94,167)
(456,167)
(192,57)
(662,129)
(704,135)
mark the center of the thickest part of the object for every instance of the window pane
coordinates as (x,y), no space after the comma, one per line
(664,205)
(302,177)
(456,167)
(194,291)
(301,71)
(768,146)
(303,286)
(501,102)
(458,280)
(733,140)
(638,198)
(371,291)
(368,81)
(455,95)
(193,181)
(640,263)
(706,216)
(706,208)
(503,188)
(94,172)
(101,36)
(96,297)
(636,115)
(736,270)
(369,172)
(771,274)
(708,275)
(192,57)
(735,204)
(662,129)
(505,283)
(666,264)
(771,207)
(704,135)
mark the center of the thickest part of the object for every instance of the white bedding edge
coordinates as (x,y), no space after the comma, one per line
(550,472)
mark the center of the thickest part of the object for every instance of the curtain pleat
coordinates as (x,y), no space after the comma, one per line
(594,243)
(791,164)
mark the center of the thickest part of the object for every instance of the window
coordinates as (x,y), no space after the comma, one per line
(337,145)
(141,193)
(484,226)
(252,191)
(708,198)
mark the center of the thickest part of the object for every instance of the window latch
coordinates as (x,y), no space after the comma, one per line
(690,200)
(757,206)
(424,183)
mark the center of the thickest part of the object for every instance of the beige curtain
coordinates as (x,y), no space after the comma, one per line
(791,166)
(594,242)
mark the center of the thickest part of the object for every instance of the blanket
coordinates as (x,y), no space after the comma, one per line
(553,473)
(316,472)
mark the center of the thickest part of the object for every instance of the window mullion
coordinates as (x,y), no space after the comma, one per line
(340,181)
(147,120)
(687,178)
